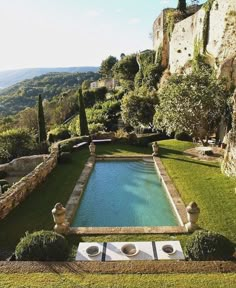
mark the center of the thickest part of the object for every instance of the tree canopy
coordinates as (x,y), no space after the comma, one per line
(182,5)
(138,107)
(106,66)
(191,103)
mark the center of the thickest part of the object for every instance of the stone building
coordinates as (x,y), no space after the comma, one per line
(109,83)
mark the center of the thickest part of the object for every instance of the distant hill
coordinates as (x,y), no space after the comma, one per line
(11,77)
(24,94)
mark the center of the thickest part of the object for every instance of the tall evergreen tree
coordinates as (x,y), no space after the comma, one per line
(82,116)
(182,5)
(42,135)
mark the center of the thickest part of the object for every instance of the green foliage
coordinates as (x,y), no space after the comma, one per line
(150,70)
(82,116)
(42,246)
(85,85)
(25,93)
(42,134)
(182,5)
(106,66)
(126,69)
(58,133)
(66,147)
(138,107)
(173,16)
(183,136)
(16,143)
(93,96)
(206,23)
(96,127)
(208,246)
(191,103)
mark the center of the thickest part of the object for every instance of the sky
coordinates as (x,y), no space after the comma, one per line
(65,33)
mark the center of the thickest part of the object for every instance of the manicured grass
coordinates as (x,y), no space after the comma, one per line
(35,212)
(50,280)
(204,183)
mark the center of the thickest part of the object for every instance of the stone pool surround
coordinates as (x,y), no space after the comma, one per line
(172,193)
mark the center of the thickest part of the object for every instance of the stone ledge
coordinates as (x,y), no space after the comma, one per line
(144,267)
(128,230)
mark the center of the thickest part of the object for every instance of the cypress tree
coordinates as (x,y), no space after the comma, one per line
(82,116)
(42,135)
(182,5)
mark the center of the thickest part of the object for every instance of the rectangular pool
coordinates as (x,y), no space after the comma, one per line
(124,194)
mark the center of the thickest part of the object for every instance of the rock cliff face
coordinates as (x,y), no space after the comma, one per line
(211,30)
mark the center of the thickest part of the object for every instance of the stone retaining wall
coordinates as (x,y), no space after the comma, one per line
(20,190)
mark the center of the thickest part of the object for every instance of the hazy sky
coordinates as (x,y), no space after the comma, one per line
(58,33)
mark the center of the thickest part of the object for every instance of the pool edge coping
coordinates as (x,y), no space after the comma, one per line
(172,193)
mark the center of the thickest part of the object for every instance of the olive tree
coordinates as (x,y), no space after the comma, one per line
(191,103)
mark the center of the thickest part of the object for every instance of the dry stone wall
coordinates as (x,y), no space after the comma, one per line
(20,190)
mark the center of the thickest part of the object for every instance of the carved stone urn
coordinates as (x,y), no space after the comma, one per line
(155,149)
(59,218)
(92,149)
(193,212)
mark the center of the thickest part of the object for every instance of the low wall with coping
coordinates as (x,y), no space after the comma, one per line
(20,190)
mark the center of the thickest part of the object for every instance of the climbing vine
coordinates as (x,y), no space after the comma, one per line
(206,23)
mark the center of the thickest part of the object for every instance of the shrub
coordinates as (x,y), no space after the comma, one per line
(183,136)
(4,156)
(66,147)
(145,139)
(58,133)
(17,143)
(3,174)
(207,246)
(42,246)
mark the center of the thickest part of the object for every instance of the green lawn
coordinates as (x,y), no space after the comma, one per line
(195,180)
(51,280)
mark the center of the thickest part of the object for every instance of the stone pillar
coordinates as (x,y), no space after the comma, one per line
(92,149)
(59,217)
(193,212)
(155,149)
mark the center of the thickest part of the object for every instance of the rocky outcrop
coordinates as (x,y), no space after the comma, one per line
(210,31)
(20,190)
(23,165)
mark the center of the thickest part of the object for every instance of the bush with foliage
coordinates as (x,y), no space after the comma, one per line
(205,245)
(42,246)
(192,103)
(183,136)
(16,143)
(58,133)
(65,147)
(138,107)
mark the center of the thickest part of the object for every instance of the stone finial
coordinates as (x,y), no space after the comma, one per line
(155,149)
(193,212)
(59,217)
(92,149)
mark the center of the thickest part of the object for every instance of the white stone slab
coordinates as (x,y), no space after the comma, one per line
(113,252)
(81,254)
(161,255)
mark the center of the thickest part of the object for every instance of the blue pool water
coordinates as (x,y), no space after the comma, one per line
(124,194)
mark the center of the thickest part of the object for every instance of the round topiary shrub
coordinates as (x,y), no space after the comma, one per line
(42,246)
(205,245)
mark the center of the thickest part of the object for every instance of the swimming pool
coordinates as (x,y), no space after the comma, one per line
(124,194)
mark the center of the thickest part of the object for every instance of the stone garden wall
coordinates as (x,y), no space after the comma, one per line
(20,190)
